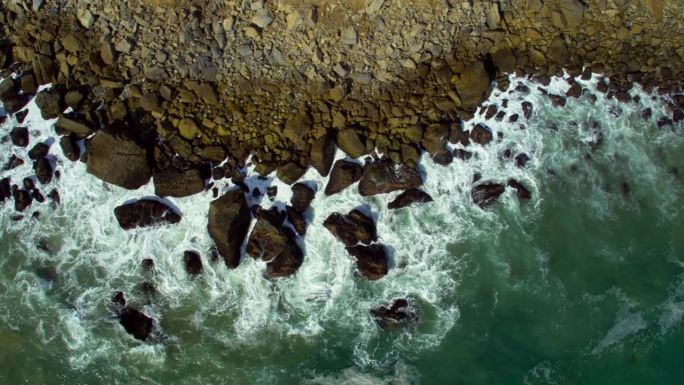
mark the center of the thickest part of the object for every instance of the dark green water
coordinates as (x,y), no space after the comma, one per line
(584,284)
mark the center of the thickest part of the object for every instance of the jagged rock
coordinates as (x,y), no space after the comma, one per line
(572,12)
(371,260)
(272,242)
(323,154)
(28,184)
(385,176)
(481,134)
(457,134)
(188,128)
(192,262)
(409,197)
(297,219)
(352,228)
(435,138)
(22,199)
(520,190)
(73,125)
(177,183)
(38,151)
(13,162)
(486,193)
(302,195)
(20,136)
(444,157)
(655,7)
(229,219)
(14,103)
(504,59)
(43,169)
(72,43)
(107,53)
(399,312)
(144,213)
(136,323)
(472,85)
(290,172)
(521,159)
(350,142)
(558,52)
(37,196)
(575,91)
(343,175)
(118,160)
(50,103)
(70,147)
(528,108)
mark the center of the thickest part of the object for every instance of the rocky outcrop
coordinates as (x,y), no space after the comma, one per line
(408,198)
(43,169)
(344,174)
(274,243)
(302,196)
(173,182)
(145,213)
(229,219)
(136,323)
(371,260)
(485,194)
(323,154)
(520,190)
(397,313)
(119,160)
(385,176)
(20,136)
(192,262)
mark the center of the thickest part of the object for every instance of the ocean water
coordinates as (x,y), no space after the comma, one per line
(583,284)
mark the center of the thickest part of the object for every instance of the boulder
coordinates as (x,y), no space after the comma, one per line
(457,134)
(144,213)
(521,159)
(344,174)
(13,162)
(409,197)
(486,193)
(22,199)
(528,108)
(385,176)
(481,134)
(302,195)
(276,244)
(351,143)
(444,158)
(371,260)
(20,136)
(71,124)
(397,313)
(290,172)
(435,138)
(136,323)
(5,189)
(14,103)
(352,228)
(472,85)
(557,101)
(297,220)
(192,262)
(323,154)
(229,219)
(70,147)
(43,169)
(50,103)
(40,150)
(119,160)
(173,182)
(520,190)
(655,7)
(572,12)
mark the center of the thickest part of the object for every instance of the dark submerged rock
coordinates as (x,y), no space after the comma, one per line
(229,219)
(528,108)
(136,323)
(409,197)
(385,176)
(22,199)
(343,175)
(520,190)
(5,189)
(398,313)
(144,213)
(486,193)
(192,262)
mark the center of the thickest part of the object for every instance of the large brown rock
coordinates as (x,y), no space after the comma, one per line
(276,244)
(481,134)
(229,219)
(177,183)
(408,198)
(136,323)
(343,175)
(472,85)
(371,260)
(435,138)
(351,143)
(119,160)
(50,103)
(144,213)
(385,176)
(302,195)
(352,228)
(486,193)
(323,154)
(73,125)
(290,172)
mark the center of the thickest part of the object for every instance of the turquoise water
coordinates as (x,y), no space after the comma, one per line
(584,284)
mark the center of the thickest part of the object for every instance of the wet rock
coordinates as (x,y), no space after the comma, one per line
(575,91)
(409,197)
(37,196)
(147,264)
(290,172)
(22,199)
(352,228)
(144,213)
(192,262)
(71,124)
(229,219)
(50,103)
(457,134)
(302,195)
(271,192)
(385,176)
(15,103)
(70,148)
(556,100)
(485,194)
(528,108)
(481,134)
(444,158)
(297,220)
(13,162)
(28,184)
(21,115)
(397,313)
(177,183)
(521,160)
(351,143)
(38,151)
(20,136)
(119,299)
(43,169)
(272,242)
(344,174)
(118,160)
(5,189)
(371,260)
(435,138)
(520,190)
(136,323)
(54,197)
(462,154)
(323,154)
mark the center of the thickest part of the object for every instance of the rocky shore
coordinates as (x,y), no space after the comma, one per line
(186,93)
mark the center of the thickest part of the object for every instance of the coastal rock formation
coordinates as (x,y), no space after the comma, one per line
(136,323)
(386,176)
(302,195)
(274,243)
(177,183)
(229,219)
(192,262)
(119,160)
(485,194)
(145,213)
(344,173)
(397,313)
(371,260)
(409,197)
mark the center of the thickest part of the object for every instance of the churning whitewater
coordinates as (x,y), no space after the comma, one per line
(59,270)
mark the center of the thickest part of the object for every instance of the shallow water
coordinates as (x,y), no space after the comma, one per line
(582,284)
